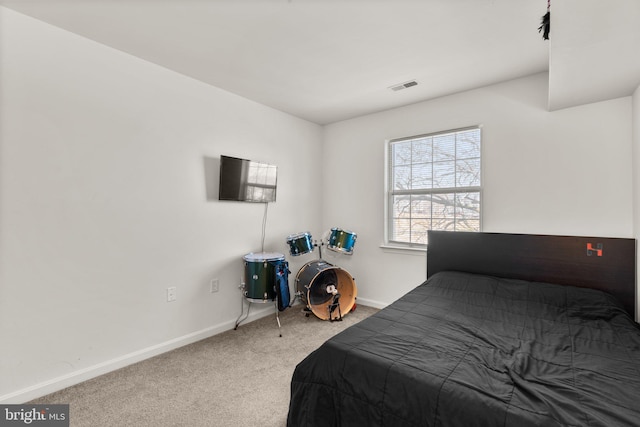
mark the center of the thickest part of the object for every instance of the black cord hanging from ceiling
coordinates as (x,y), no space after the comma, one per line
(545,26)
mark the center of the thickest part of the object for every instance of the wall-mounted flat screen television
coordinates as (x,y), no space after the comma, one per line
(247,181)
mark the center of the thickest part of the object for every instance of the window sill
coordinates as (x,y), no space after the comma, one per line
(403,249)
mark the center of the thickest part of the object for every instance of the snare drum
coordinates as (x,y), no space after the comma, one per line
(260,271)
(300,243)
(316,283)
(342,241)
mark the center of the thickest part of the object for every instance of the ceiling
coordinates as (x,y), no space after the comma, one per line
(330,60)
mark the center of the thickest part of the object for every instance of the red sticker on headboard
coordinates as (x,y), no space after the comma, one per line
(597,250)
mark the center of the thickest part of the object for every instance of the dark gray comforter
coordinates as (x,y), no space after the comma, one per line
(468,350)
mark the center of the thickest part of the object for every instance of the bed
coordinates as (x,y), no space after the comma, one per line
(507,330)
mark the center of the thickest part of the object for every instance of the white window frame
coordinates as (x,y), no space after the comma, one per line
(390,192)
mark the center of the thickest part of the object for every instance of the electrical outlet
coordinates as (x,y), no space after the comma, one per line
(215,285)
(171,294)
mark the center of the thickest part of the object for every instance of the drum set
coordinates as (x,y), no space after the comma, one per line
(327,290)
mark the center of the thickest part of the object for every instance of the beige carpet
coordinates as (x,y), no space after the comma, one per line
(237,378)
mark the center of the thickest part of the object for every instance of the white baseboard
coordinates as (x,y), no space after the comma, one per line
(46,387)
(371,303)
(49,386)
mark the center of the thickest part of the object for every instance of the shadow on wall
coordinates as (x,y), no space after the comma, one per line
(211,174)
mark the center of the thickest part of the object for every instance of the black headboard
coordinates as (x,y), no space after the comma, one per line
(607,264)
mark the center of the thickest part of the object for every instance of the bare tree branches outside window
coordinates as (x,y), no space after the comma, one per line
(434,184)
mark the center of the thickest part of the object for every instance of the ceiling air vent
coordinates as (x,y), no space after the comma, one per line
(404,85)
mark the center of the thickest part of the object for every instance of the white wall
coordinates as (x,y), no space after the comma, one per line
(108,182)
(563,172)
(636,180)
(108,170)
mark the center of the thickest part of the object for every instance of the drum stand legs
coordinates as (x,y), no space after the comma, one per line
(278,320)
(243,316)
(238,321)
(319,246)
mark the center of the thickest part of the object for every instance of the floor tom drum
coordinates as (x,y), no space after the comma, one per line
(260,271)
